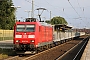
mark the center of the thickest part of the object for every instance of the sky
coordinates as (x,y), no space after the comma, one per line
(75,12)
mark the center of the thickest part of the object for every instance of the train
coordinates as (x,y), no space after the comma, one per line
(33,35)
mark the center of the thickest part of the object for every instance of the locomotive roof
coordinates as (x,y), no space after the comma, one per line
(44,24)
(40,23)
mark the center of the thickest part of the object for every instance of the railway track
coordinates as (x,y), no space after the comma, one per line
(53,53)
(74,53)
(57,51)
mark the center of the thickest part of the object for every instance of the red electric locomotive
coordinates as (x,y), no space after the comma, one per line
(31,34)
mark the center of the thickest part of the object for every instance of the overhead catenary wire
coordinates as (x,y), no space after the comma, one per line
(37,6)
(76,11)
(73,8)
(79,5)
(81,8)
(31,3)
(57,8)
(50,10)
(63,9)
(51,6)
(82,11)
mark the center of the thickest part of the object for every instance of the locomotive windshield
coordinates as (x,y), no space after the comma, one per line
(25,28)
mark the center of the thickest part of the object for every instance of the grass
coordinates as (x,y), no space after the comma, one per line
(8,52)
(3,56)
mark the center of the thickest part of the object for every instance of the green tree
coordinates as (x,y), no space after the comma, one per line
(48,21)
(58,20)
(7,16)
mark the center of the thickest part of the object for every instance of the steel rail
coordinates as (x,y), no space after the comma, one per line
(80,50)
(69,50)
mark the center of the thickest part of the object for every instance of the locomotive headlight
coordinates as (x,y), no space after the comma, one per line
(18,36)
(17,41)
(31,36)
(31,40)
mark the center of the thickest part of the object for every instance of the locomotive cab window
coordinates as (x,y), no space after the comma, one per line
(30,28)
(25,28)
(20,28)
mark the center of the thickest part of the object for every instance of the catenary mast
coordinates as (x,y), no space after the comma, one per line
(32,9)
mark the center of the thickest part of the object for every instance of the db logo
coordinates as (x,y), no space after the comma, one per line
(24,36)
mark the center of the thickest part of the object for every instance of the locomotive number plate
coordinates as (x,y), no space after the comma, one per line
(24,41)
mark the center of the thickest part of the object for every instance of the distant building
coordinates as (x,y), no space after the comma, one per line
(87,31)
